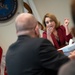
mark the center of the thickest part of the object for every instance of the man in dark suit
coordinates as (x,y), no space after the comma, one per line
(31,55)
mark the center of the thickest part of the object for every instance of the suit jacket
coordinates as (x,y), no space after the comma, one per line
(33,56)
(63,38)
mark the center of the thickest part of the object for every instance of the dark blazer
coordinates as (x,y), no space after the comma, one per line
(63,38)
(33,56)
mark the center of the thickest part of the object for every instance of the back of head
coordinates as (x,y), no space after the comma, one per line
(73,10)
(67,69)
(73,16)
(25,22)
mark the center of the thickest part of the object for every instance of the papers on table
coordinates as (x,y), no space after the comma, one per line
(67,49)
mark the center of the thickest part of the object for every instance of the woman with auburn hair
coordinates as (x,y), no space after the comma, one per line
(56,33)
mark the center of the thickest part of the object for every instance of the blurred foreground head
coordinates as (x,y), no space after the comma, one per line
(73,16)
(26,24)
(73,10)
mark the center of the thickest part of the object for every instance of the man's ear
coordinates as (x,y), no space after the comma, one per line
(37,29)
(16,31)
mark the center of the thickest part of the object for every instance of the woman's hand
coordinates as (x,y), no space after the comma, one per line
(72,55)
(66,22)
(49,30)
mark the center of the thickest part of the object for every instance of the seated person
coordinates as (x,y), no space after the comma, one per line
(56,33)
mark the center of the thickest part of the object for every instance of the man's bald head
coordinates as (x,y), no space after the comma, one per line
(25,22)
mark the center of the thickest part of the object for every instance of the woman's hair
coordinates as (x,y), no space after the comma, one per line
(51,16)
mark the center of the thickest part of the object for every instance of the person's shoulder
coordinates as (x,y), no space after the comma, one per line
(40,40)
(61,27)
(11,45)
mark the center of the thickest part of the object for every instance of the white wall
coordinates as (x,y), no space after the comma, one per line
(7,30)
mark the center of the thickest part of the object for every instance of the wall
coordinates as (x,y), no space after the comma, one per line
(7,30)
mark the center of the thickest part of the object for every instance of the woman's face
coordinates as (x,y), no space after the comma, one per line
(49,23)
